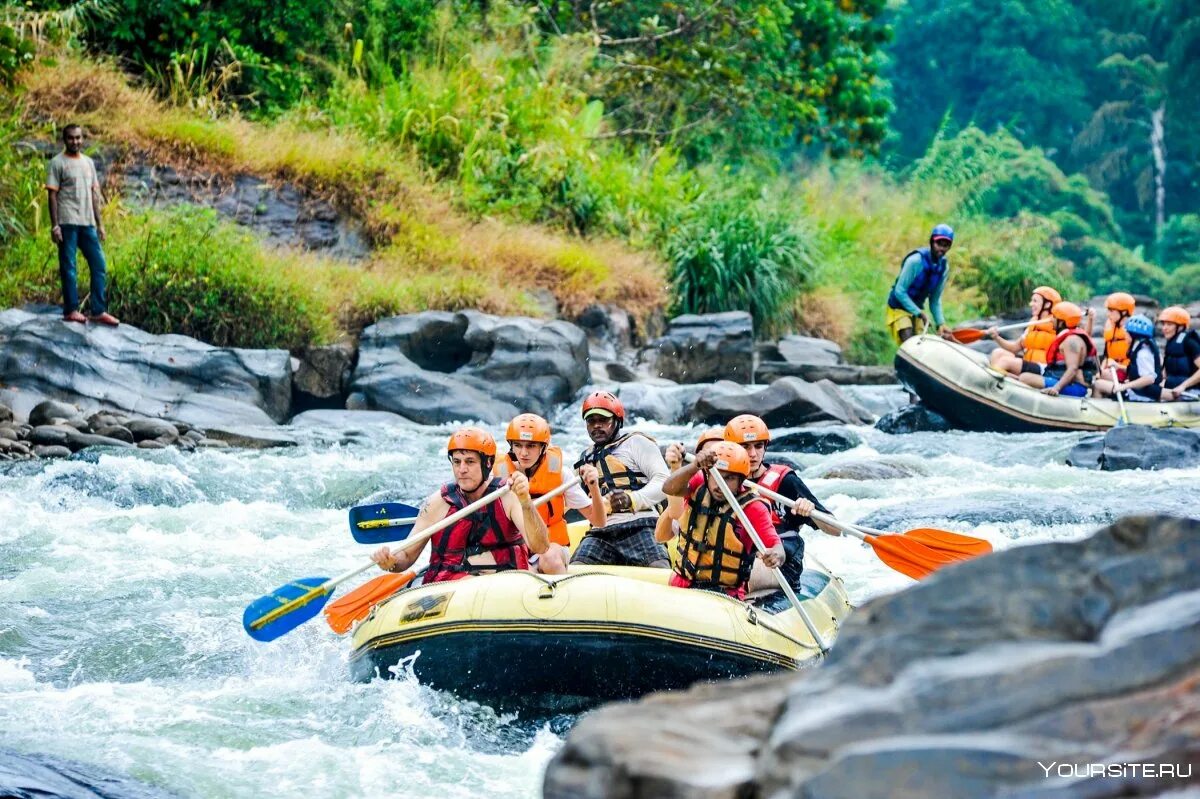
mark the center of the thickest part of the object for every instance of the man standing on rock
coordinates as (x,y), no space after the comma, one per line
(922,278)
(74,197)
(631,471)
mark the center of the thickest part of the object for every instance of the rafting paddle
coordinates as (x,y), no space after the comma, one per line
(382,522)
(969,335)
(783,583)
(355,605)
(1124,420)
(294,603)
(909,557)
(934,538)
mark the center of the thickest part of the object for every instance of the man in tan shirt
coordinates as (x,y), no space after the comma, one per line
(74,197)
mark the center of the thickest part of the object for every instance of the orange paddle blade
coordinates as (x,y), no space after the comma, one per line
(911,557)
(355,605)
(968,335)
(946,541)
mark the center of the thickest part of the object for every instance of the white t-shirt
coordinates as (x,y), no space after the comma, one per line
(643,455)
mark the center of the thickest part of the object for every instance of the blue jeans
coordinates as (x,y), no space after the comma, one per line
(82,237)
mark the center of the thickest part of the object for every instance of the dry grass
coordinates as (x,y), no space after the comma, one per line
(429,254)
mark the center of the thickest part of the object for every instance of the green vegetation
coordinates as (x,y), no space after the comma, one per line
(689,156)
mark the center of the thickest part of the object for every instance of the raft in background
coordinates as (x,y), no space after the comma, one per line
(548,644)
(957,383)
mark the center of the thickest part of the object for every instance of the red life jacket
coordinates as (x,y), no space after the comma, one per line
(486,530)
(1055,355)
(771,481)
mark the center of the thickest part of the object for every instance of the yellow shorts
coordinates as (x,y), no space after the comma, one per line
(901,319)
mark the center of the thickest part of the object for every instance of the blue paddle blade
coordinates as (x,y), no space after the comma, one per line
(369,523)
(285,608)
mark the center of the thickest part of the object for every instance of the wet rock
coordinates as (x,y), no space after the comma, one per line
(51,411)
(620,372)
(51,451)
(667,402)
(324,372)
(77,441)
(252,437)
(1138,447)
(50,434)
(788,402)
(869,470)
(9,433)
(913,419)
(152,428)
(193,435)
(807,349)
(338,419)
(35,776)
(133,371)
(6,414)
(700,348)
(841,374)
(820,442)
(438,367)
(150,443)
(118,432)
(1076,653)
(609,331)
(102,419)
(211,443)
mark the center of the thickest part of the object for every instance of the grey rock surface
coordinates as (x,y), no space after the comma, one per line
(325,371)
(787,402)
(820,442)
(1138,447)
(37,776)
(913,419)
(841,374)
(701,348)
(809,349)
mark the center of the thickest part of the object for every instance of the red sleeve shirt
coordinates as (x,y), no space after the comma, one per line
(757,512)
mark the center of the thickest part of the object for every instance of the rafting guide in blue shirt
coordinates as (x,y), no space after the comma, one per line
(922,278)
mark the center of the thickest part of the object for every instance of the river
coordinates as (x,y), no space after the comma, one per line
(123,577)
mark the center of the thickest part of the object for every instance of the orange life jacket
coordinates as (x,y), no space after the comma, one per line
(1056,359)
(711,554)
(1116,344)
(486,530)
(546,477)
(1037,339)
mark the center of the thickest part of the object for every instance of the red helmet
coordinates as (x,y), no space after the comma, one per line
(732,457)
(746,428)
(528,427)
(604,403)
(472,439)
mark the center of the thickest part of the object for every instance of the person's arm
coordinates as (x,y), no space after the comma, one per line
(519,507)
(794,488)
(1073,355)
(678,482)
(908,273)
(590,503)
(433,509)
(1015,347)
(97,201)
(649,461)
(664,528)
(52,185)
(760,517)
(935,300)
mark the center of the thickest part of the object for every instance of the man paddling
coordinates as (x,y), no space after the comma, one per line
(1070,360)
(531,453)
(630,471)
(753,435)
(498,537)
(922,278)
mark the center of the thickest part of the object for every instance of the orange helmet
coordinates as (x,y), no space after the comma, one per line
(605,403)
(1048,294)
(1068,312)
(1121,301)
(1175,314)
(472,439)
(528,427)
(712,434)
(746,428)
(732,457)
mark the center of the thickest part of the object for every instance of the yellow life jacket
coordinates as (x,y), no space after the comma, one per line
(710,552)
(615,475)
(1117,342)
(1038,338)
(546,477)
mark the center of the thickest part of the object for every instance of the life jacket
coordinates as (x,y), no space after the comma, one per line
(1154,390)
(1177,367)
(930,276)
(1038,338)
(615,474)
(1056,362)
(546,477)
(486,530)
(771,481)
(711,554)
(1116,344)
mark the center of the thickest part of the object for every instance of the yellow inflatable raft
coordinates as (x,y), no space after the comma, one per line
(557,644)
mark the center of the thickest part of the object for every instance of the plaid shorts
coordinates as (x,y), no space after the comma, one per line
(628,544)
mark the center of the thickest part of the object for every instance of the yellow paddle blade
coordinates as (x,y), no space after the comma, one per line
(354,606)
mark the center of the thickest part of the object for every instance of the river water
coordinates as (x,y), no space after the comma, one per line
(123,578)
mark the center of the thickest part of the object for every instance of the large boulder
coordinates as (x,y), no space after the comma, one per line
(1138,447)
(37,776)
(437,366)
(701,348)
(609,331)
(913,419)
(131,370)
(843,374)
(972,683)
(660,402)
(788,402)
(820,442)
(324,372)
(808,349)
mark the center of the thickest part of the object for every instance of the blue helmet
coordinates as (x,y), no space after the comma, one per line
(942,231)
(1139,325)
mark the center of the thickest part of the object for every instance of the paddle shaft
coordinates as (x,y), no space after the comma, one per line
(376,523)
(863,534)
(1117,390)
(758,542)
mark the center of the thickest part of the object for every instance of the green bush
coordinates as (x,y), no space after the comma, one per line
(1183,286)
(21,179)
(1107,267)
(1180,240)
(15,55)
(732,254)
